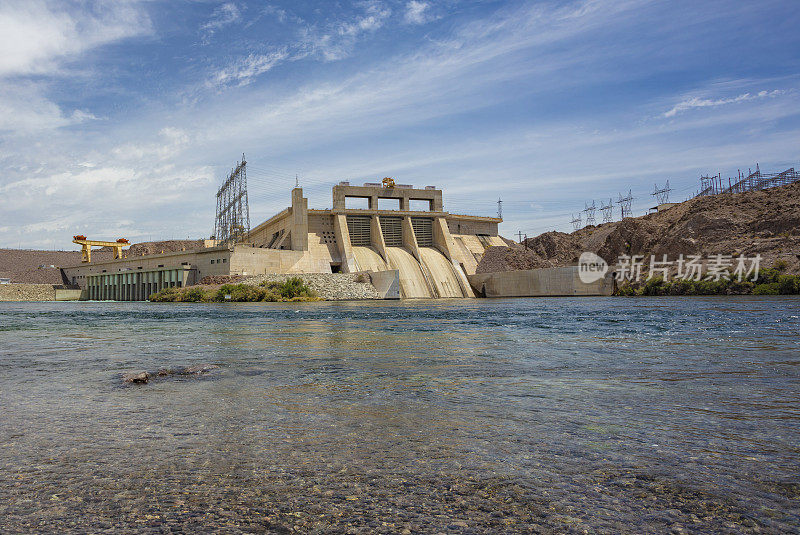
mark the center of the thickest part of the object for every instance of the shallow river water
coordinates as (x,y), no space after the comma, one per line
(590,415)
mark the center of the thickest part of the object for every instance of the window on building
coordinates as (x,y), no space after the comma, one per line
(388,203)
(421,205)
(356,203)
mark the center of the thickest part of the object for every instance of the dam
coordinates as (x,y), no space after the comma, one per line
(395,230)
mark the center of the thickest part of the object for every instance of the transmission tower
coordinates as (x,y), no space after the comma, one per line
(576,221)
(589,209)
(499,209)
(625,204)
(232,223)
(661,194)
(608,211)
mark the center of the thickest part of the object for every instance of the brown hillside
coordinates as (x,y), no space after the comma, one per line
(763,222)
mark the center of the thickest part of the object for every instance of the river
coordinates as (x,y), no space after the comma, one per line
(588,415)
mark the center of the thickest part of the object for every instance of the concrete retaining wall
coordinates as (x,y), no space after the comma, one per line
(387,283)
(27,292)
(63,294)
(562,281)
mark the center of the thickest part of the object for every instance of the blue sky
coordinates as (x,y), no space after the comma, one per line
(120,118)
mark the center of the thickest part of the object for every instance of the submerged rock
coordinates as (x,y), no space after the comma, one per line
(143,377)
(200,369)
(139,377)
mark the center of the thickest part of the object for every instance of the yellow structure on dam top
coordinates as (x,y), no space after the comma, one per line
(396,229)
(88,244)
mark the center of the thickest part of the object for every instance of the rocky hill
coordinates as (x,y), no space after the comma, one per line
(763,222)
(157,247)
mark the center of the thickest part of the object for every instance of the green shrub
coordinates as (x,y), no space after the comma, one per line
(768,275)
(180,295)
(788,284)
(767,288)
(194,295)
(654,286)
(290,289)
(780,265)
(770,282)
(740,288)
(240,293)
(625,290)
(166,295)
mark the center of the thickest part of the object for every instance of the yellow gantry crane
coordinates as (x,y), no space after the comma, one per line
(88,244)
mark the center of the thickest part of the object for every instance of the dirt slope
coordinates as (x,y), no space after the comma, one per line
(757,222)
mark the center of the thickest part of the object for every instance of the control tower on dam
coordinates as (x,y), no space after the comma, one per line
(374,227)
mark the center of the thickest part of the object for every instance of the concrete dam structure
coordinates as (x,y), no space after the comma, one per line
(402,230)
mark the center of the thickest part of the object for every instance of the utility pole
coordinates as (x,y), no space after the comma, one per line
(520,236)
(590,212)
(232,223)
(625,204)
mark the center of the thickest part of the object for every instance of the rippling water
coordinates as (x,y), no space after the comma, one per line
(595,415)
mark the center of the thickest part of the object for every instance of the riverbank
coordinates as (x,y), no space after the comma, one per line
(770,281)
(277,287)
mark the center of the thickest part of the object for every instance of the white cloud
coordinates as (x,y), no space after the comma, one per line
(244,70)
(25,110)
(36,35)
(417,12)
(36,38)
(699,102)
(333,44)
(173,140)
(337,41)
(224,15)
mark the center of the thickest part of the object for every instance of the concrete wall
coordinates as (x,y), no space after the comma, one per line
(264,234)
(459,224)
(257,261)
(387,283)
(562,281)
(63,294)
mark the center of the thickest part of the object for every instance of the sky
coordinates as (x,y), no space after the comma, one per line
(121,118)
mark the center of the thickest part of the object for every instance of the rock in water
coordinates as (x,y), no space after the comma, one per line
(200,369)
(136,377)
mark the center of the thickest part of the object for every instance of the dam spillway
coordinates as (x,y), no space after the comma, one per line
(368,259)
(442,273)
(412,281)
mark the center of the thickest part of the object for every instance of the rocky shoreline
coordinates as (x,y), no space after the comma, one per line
(327,286)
